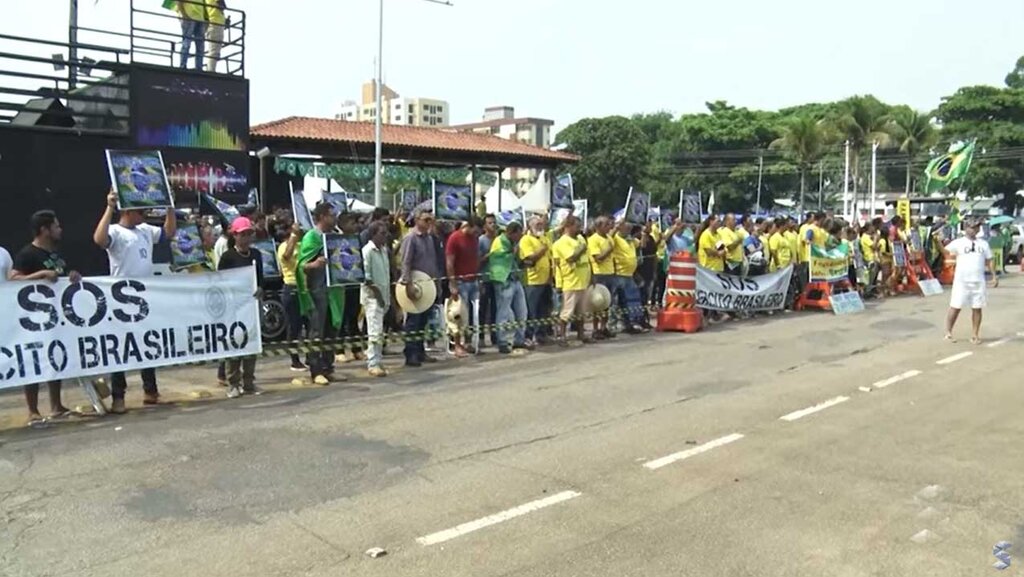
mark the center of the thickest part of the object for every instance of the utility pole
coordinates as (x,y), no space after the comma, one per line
(846,184)
(760,172)
(72,45)
(874,178)
(821,182)
(378,145)
(378,126)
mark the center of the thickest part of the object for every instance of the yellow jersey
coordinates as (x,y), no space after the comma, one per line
(596,245)
(782,249)
(540,272)
(728,237)
(707,241)
(624,255)
(575,276)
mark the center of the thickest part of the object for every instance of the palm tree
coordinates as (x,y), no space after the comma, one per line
(803,140)
(912,132)
(863,122)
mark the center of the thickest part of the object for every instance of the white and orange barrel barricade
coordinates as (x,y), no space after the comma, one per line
(680,312)
(948,268)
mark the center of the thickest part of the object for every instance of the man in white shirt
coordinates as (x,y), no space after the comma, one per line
(5,265)
(973,257)
(129,246)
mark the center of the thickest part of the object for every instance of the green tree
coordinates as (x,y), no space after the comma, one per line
(995,117)
(913,133)
(862,122)
(1015,79)
(803,140)
(615,156)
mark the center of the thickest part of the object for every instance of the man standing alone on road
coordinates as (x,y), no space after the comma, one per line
(129,245)
(973,257)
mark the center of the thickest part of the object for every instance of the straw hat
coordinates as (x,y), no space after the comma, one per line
(600,298)
(425,294)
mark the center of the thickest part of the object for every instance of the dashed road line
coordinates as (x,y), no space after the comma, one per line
(463,529)
(954,358)
(893,380)
(1000,342)
(811,410)
(669,459)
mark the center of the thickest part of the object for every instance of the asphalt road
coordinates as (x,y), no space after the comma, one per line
(802,444)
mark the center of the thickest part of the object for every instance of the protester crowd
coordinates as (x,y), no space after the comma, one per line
(524,284)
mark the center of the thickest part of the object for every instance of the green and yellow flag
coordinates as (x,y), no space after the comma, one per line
(953,165)
(170,4)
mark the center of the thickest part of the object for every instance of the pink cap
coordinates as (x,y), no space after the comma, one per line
(240,225)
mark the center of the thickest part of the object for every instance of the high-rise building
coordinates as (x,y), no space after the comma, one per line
(409,111)
(501,121)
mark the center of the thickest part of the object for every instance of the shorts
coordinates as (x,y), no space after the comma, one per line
(968,294)
(573,303)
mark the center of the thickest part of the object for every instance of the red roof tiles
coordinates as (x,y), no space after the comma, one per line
(344,131)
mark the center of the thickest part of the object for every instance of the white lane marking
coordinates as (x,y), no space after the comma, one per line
(864,389)
(811,410)
(669,459)
(999,343)
(893,380)
(460,530)
(954,358)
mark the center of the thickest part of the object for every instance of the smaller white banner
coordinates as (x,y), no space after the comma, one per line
(733,293)
(930,287)
(847,303)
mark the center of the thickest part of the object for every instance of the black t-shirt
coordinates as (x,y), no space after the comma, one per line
(649,258)
(234,259)
(33,259)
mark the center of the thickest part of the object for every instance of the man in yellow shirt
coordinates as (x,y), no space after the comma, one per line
(535,253)
(710,251)
(733,242)
(570,251)
(287,261)
(628,294)
(779,245)
(600,247)
(869,248)
(214,32)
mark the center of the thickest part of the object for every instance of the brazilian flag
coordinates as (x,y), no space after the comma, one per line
(953,165)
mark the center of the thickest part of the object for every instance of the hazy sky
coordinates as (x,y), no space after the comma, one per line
(568,59)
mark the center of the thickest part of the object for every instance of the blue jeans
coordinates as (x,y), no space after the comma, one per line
(538,306)
(415,351)
(511,305)
(627,296)
(469,292)
(193,32)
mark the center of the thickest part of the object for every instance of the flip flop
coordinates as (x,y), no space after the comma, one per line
(975,340)
(949,338)
(37,423)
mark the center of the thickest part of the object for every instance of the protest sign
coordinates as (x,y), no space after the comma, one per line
(407,200)
(689,207)
(562,192)
(338,200)
(139,178)
(557,216)
(344,259)
(930,287)
(300,210)
(899,255)
(828,265)
(224,211)
(637,204)
(846,303)
(103,324)
(668,218)
(505,217)
(268,252)
(187,247)
(733,293)
(451,202)
(580,208)
(915,241)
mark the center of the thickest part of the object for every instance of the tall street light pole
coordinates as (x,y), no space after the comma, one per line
(378,125)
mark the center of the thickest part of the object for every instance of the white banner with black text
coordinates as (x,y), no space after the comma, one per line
(60,330)
(734,293)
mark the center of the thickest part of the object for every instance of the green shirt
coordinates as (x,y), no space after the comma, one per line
(502,262)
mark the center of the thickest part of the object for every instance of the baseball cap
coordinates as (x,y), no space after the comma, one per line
(240,225)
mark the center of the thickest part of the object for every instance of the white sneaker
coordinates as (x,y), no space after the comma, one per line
(234,392)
